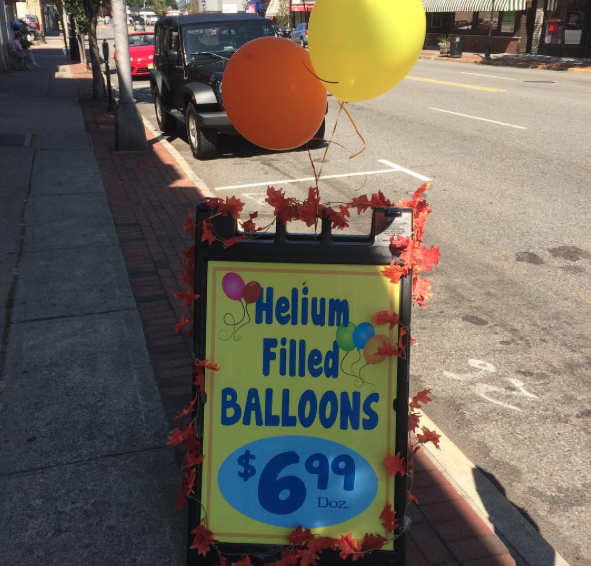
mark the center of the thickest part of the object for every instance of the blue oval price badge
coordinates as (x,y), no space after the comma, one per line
(288,481)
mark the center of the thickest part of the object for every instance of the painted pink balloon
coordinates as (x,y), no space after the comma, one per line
(233,286)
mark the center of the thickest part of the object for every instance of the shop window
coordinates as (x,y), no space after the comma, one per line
(463,20)
(573,28)
(508,22)
(436,20)
(484,21)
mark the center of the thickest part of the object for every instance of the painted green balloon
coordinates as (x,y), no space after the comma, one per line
(345,337)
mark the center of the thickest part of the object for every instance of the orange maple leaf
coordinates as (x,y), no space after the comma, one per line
(193,459)
(362,203)
(180,435)
(386,349)
(207,365)
(388,517)
(300,536)
(428,258)
(349,547)
(428,436)
(395,465)
(202,540)
(420,397)
(187,297)
(306,557)
(400,241)
(191,481)
(385,317)
(373,542)
(412,497)
(420,292)
(186,411)
(182,499)
(395,272)
(181,324)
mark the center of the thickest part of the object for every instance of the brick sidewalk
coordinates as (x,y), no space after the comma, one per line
(150,197)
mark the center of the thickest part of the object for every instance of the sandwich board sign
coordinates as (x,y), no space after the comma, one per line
(296,423)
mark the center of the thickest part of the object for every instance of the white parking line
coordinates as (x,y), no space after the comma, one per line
(491,76)
(478,118)
(392,168)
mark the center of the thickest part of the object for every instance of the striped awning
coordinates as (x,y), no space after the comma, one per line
(273,9)
(473,5)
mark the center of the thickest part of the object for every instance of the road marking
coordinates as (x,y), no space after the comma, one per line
(462,85)
(392,168)
(478,118)
(491,76)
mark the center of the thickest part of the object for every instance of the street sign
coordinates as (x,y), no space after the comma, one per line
(296,423)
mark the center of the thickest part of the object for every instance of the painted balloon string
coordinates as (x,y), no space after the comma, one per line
(230,320)
(360,381)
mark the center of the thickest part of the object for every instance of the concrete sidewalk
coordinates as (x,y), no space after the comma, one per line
(85,474)
(91,246)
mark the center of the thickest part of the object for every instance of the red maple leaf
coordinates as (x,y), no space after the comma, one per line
(400,241)
(186,411)
(379,200)
(244,562)
(395,465)
(387,350)
(338,218)
(276,199)
(199,379)
(232,241)
(428,436)
(395,272)
(413,421)
(412,497)
(384,317)
(311,210)
(300,536)
(232,206)
(373,542)
(202,540)
(208,236)
(307,557)
(362,203)
(419,193)
(349,547)
(180,435)
(322,543)
(188,276)
(420,292)
(193,459)
(249,227)
(181,324)
(388,517)
(420,397)
(189,256)
(182,499)
(212,202)
(207,365)
(187,297)
(189,226)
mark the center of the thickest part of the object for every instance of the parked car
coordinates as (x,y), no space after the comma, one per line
(282,32)
(33,21)
(300,35)
(139,25)
(141,53)
(191,55)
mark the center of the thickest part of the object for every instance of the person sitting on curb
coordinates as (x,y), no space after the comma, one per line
(21,53)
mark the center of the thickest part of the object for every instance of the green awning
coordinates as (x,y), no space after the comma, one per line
(473,5)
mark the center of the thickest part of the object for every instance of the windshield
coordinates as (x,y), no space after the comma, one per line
(222,38)
(142,39)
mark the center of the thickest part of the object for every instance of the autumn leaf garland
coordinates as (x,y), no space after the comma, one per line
(306,547)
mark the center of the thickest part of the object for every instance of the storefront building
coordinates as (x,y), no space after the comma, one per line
(300,11)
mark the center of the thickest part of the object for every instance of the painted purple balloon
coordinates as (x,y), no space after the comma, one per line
(233,286)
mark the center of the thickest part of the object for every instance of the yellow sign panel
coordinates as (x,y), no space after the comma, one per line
(299,417)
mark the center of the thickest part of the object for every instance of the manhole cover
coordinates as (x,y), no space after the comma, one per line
(550,82)
(15,140)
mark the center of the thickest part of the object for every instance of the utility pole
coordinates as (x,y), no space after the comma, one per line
(129,127)
(489,39)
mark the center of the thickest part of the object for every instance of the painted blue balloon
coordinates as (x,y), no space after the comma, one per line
(288,481)
(363,332)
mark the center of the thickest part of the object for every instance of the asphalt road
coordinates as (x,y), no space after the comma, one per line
(505,341)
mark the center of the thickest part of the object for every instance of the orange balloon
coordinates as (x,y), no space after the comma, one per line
(369,352)
(270,94)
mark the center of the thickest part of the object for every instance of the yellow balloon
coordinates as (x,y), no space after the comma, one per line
(363,48)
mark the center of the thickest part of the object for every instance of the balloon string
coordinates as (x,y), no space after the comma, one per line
(233,324)
(357,132)
(364,381)
(236,336)
(357,360)
(343,368)
(321,80)
(323,161)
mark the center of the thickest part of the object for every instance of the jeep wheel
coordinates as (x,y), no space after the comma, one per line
(302,41)
(166,122)
(316,143)
(203,142)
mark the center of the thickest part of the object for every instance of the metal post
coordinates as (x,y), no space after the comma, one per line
(108,73)
(489,39)
(129,127)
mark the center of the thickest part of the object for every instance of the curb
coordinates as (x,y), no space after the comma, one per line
(490,504)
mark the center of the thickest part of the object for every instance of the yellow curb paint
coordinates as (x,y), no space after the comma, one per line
(461,85)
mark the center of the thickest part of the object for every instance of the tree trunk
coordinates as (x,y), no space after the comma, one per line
(60,14)
(97,76)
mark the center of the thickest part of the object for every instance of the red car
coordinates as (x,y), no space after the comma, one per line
(141,52)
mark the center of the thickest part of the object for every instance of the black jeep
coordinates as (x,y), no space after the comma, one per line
(189,61)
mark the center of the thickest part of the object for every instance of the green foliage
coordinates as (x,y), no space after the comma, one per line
(76,8)
(160,6)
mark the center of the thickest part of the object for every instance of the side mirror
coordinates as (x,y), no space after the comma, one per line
(171,56)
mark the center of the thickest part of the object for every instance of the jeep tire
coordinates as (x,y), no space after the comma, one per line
(204,141)
(166,122)
(316,143)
